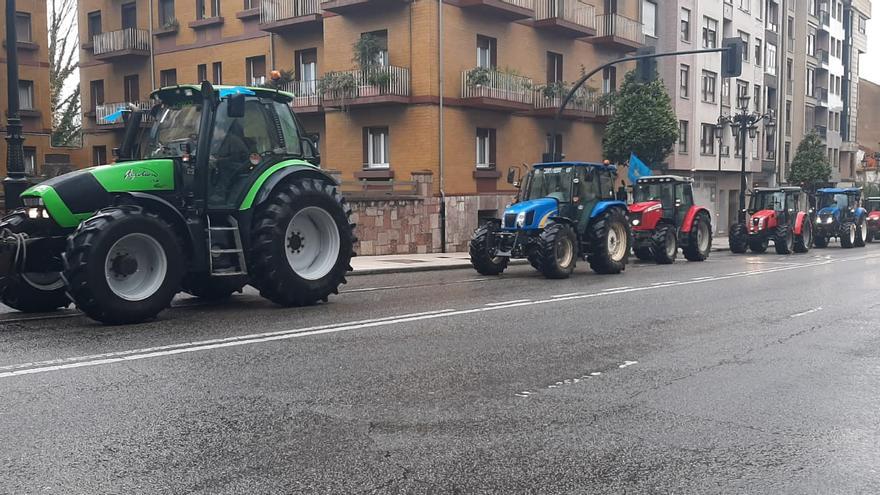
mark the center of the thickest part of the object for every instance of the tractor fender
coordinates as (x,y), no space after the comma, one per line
(262,188)
(168,212)
(691,215)
(860,212)
(602,206)
(564,220)
(799,222)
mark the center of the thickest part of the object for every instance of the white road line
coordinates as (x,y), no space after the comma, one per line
(701,278)
(617,288)
(516,301)
(814,310)
(188,347)
(567,295)
(627,364)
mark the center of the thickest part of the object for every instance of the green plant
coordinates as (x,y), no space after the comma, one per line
(810,166)
(338,85)
(557,89)
(478,76)
(287,77)
(367,51)
(170,24)
(379,76)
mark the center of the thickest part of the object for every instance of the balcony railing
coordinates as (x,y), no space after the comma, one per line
(477,83)
(584,101)
(822,55)
(822,131)
(305,93)
(104,114)
(573,11)
(822,95)
(621,27)
(279,10)
(124,39)
(378,81)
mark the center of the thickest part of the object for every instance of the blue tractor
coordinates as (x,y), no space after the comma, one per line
(564,211)
(840,214)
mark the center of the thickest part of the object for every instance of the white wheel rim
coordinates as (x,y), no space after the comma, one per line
(852,234)
(616,242)
(863,231)
(564,252)
(135,267)
(703,237)
(312,243)
(670,245)
(45,281)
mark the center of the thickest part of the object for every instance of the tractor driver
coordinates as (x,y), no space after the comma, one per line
(231,155)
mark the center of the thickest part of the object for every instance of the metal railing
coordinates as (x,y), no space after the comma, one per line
(622,27)
(279,10)
(305,93)
(822,95)
(377,188)
(822,131)
(584,100)
(385,80)
(525,4)
(102,112)
(497,85)
(575,11)
(822,55)
(124,39)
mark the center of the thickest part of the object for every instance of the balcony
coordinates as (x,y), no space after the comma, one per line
(105,118)
(822,97)
(354,6)
(824,19)
(277,16)
(617,31)
(583,105)
(823,57)
(495,90)
(512,10)
(821,131)
(383,85)
(566,17)
(307,98)
(124,43)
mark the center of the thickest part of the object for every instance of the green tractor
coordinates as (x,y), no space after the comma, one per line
(221,190)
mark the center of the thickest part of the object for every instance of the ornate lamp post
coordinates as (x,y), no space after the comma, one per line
(15,182)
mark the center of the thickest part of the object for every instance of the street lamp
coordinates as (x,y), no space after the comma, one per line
(15,182)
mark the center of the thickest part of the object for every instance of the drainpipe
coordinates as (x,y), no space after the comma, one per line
(440,81)
(152,56)
(272,50)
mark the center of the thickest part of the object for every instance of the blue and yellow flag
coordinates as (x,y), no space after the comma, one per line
(637,168)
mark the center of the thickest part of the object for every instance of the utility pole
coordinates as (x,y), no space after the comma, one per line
(15,182)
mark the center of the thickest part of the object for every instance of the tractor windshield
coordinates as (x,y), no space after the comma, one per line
(872,205)
(551,182)
(833,200)
(653,191)
(174,128)
(767,200)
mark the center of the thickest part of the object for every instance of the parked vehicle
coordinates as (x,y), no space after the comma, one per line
(222,190)
(839,214)
(565,211)
(778,214)
(872,206)
(664,218)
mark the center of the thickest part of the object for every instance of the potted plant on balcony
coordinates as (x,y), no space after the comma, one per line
(370,55)
(283,83)
(338,86)
(169,26)
(479,78)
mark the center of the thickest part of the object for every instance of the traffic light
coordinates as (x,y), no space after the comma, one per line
(646,69)
(732,57)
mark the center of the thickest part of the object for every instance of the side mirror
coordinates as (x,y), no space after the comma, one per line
(235,106)
(511,175)
(315,138)
(310,151)
(115,152)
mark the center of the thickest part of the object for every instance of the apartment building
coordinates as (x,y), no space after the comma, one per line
(462,89)
(33,87)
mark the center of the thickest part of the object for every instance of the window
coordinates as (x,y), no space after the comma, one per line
(609,80)
(376,147)
(255,70)
(813,7)
(863,24)
(725,91)
(128,14)
(759,51)
(756,96)
(23,27)
(770,59)
(381,38)
(99,155)
(168,78)
(682,136)
(96,94)
(811,81)
(202,73)
(742,89)
(788,118)
(486,52)
(203,5)
(94,24)
(30,161)
(746,5)
(707,139)
(710,32)
(709,86)
(811,42)
(554,148)
(486,148)
(131,88)
(306,62)
(554,68)
(217,73)
(166,12)
(649,18)
(26,94)
(685,81)
(685,25)
(746,44)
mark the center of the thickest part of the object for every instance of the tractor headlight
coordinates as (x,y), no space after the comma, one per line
(521,219)
(636,222)
(35,213)
(829,219)
(818,220)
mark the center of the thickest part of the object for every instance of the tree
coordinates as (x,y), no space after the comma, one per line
(810,166)
(63,64)
(643,123)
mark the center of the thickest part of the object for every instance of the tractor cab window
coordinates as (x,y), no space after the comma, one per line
(791,202)
(586,186)
(650,191)
(606,184)
(833,200)
(551,182)
(872,205)
(176,127)
(684,196)
(292,139)
(767,201)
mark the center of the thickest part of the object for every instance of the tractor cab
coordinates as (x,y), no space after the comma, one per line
(772,206)
(836,204)
(661,199)
(839,214)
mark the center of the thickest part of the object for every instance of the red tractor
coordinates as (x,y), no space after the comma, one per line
(873,206)
(779,214)
(664,218)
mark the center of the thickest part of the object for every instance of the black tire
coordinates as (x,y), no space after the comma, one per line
(85,265)
(804,241)
(23,292)
(209,288)
(738,237)
(602,261)
(861,233)
(758,246)
(644,253)
(847,235)
(268,262)
(783,239)
(696,249)
(557,251)
(820,241)
(665,247)
(481,251)
(869,236)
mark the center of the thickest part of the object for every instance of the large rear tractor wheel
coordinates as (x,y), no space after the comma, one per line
(482,252)
(861,233)
(302,243)
(30,292)
(644,253)
(759,246)
(665,245)
(783,239)
(847,235)
(700,238)
(557,251)
(123,265)
(821,241)
(610,242)
(738,237)
(804,241)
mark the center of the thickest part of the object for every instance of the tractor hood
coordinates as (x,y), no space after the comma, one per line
(830,211)
(532,214)
(763,215)
(72,197)
(645,207)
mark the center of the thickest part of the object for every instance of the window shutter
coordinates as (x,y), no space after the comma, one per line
(366,141)
(492,148)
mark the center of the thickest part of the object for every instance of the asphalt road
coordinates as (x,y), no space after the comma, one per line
(743,374)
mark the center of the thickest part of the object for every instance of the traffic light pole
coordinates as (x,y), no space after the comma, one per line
(15,182)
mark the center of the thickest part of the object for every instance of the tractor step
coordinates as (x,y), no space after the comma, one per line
(230,227)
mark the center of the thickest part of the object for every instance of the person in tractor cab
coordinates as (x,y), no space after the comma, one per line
(231,155)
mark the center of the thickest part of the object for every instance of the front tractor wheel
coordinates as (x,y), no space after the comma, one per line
(665,245)
(700,238)
(783,239)
(302,243)
(557,251)
(30,292)
(804,241)
(738,237)
(482,253)
(123,265)
(609,242)
(847,235)
(861,233)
